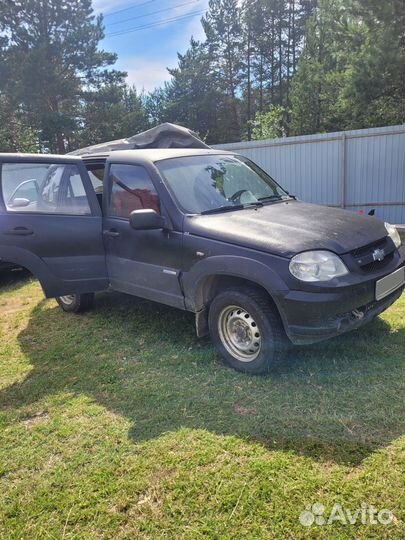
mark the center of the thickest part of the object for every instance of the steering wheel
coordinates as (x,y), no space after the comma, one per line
(237,195)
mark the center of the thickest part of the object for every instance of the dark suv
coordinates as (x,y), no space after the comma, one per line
(202,230)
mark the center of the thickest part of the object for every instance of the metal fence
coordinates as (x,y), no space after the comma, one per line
(358,170)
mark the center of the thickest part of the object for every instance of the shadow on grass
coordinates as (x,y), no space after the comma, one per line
(14,279)
(338,401)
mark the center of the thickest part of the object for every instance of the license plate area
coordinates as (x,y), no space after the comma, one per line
(389,284)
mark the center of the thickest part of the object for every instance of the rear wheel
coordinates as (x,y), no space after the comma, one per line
(246,330)
(76,303)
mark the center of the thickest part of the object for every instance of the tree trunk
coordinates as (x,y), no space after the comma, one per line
(288,55)
(273,41)
(232,86)
(320,59)
(294,37)
(280,58)
(261,83)
(249,89)
(60,142)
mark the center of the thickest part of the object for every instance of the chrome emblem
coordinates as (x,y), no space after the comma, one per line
(378,255)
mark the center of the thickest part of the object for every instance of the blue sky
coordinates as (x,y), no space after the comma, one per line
(145,54)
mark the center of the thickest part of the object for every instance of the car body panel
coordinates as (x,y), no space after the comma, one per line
(142,263)
(288,227)
(65,252)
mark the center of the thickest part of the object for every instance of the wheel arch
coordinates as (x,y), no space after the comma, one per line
(25,259)
(211,276)
(214,283)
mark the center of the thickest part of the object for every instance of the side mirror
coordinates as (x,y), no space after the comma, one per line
(19,202)
(146,220)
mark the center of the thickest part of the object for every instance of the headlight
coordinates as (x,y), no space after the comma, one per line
(317,266)
(393,234)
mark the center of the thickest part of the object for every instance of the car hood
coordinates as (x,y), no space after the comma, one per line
(289,227)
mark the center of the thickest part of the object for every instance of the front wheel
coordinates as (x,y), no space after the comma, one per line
(76,303)
(246,330)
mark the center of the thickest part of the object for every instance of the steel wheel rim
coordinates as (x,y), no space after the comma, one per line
(239,333)
(68,299)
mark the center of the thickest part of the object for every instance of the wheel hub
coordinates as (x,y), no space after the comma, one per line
(68,299)
(239,333)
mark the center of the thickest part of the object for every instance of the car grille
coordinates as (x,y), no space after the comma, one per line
(365,256)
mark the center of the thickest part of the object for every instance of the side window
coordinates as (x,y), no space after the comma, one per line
(50,187)
(44,188)
(131,189)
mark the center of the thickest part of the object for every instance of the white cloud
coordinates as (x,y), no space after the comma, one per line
(105,6)
(149,74)
(146,74)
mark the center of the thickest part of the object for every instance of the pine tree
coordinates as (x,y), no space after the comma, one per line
(222,26)
(111,112)
(316,86)
(192,96)
(156,103)
(50,50)
(15,136)
(375,89)
(351,74)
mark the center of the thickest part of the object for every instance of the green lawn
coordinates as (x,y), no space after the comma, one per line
(121,424)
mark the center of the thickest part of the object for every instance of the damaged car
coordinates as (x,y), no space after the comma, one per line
(202,230)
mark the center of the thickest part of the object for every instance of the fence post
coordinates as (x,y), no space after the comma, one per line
(343,165)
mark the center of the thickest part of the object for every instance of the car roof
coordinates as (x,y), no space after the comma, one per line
(123,156)
(153,154)
(20,156)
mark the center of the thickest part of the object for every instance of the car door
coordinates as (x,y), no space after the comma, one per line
(144,263)
(51,222)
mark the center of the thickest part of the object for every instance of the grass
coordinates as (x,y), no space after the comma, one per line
(120,423)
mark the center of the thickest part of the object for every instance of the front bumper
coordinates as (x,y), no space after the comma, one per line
(311,317)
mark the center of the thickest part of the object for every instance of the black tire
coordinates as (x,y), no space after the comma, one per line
(247,309)
(76,303)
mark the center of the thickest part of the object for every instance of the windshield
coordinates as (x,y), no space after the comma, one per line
(209,182)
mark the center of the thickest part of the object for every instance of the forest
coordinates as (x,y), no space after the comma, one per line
(266,68)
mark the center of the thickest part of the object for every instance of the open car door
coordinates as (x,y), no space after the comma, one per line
(51,222)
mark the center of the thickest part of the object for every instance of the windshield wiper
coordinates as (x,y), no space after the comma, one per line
(225,208)
(229,208)
(275,197)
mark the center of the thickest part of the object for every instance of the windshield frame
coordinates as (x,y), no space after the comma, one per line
(258,170)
